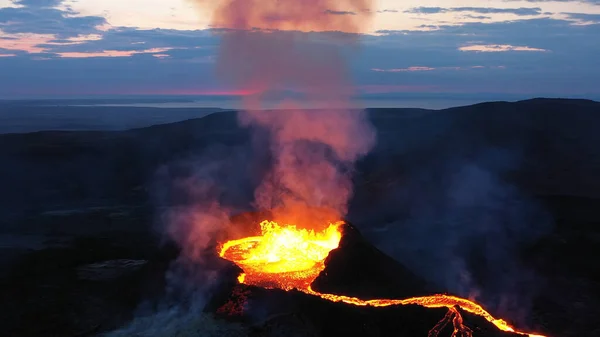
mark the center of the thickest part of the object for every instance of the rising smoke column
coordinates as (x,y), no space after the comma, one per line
(273,45)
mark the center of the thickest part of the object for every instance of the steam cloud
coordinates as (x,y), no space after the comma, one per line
(304,162)
(265,49)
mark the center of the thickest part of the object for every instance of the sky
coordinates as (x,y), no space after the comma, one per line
(129,47)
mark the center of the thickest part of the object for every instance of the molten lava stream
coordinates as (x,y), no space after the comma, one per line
(288,258)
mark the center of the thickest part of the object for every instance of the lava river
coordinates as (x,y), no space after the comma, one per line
(287,258)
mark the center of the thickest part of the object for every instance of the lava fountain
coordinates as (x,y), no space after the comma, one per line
(286,257)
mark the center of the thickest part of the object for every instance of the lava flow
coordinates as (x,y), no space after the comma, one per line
(287,258)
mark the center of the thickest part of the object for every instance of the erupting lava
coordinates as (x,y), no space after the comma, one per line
(287,258)
(283,257)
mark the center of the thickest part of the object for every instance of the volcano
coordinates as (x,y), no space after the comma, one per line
(333,281)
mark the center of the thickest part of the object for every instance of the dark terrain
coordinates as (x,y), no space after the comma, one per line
(358,269)
(508,193)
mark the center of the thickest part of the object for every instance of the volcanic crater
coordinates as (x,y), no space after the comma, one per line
(357,291)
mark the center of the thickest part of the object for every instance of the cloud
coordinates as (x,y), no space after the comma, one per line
(422,68)
(38,3)
(24,43)
(525,72)
(584,18)
(399,70)
(131,39)
(332,12)
(39,17)
(522,11)
(44,51)
(477,17)
(487,48)
(115,53)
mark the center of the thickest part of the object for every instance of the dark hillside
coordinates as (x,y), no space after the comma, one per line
(512,187)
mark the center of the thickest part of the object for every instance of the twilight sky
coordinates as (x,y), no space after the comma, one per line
(83,47)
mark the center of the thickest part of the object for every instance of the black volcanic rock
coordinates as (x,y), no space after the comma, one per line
(359,269)
(81,289)
(313,316)
(324,318)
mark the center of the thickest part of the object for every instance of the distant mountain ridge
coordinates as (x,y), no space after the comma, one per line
(22,116)
(550,146)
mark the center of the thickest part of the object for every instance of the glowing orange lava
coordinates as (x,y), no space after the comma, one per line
(282,257)
(287,258)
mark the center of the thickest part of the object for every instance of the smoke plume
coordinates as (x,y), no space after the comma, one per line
(461,224)
(305,176)
(267,47)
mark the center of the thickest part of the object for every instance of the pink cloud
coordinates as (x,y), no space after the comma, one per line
(7,55)
(114,53)
(30,43)
(77,40)
(25,42)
